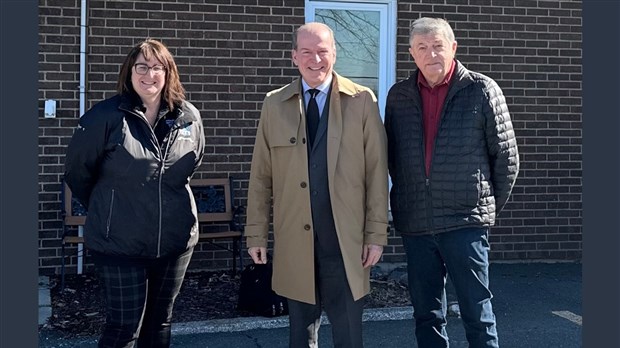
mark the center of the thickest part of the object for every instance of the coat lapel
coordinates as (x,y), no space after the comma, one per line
(334,129)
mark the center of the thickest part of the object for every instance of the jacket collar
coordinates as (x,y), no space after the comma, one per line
(460,79)
(461,74)
(295,88)
(131,102)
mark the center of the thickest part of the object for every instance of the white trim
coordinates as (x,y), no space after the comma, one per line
(387,33)
(82,87)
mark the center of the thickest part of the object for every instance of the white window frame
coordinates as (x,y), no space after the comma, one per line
(387,36)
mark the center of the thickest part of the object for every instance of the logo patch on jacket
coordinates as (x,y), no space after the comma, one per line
(185,134)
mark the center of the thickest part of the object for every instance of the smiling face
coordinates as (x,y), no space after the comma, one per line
(315,53)
(150,85)
(433,54)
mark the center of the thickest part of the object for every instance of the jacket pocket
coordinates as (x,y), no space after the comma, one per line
(283,142)
(285,131)
(286,134)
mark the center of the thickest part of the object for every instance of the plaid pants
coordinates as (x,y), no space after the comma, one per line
(139,300)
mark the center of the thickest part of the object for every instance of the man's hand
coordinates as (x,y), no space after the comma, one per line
(259,254)
(371,254)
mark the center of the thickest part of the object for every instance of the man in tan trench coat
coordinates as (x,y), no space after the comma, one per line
(329,195)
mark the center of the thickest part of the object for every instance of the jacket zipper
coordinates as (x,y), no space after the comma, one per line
(161,176)
(429,205)
(167,140)
(109,222)
(159,179)
(427,181)
(162,161)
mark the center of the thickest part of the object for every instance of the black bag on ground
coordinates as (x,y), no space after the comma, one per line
(256,295)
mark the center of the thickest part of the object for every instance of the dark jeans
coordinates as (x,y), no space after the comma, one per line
(464,254)
(139,300)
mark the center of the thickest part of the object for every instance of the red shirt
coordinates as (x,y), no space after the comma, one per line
(432,104)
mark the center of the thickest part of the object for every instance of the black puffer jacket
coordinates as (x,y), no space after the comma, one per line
(475,160)
(136,187)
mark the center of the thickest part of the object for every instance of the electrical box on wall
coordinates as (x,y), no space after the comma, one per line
(50,108)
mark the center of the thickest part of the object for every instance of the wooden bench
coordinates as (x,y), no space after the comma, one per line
(214,202)
(73,215)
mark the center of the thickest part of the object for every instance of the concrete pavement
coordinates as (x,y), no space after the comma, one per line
(45,301)
(536,305)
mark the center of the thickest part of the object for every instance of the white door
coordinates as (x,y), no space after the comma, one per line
(365,33)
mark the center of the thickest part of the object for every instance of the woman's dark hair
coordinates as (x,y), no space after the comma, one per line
(173,92)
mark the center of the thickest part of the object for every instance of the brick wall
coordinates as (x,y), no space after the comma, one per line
(230,55)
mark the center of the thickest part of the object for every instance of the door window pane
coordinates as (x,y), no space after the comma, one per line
(357,43)
(365,33)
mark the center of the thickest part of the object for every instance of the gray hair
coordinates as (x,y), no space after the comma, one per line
(427,25)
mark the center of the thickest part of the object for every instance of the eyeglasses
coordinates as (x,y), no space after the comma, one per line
(143,69)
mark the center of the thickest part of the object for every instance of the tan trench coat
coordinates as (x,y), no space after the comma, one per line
(358,185)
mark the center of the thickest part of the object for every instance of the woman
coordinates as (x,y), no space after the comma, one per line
(129,162)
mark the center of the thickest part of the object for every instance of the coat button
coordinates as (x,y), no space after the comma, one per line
(292,140)
(303,184)
(307,227)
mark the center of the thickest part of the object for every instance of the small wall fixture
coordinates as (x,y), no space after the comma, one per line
(50,108)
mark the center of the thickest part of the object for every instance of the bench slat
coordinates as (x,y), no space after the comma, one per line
(215,235)
(73,240)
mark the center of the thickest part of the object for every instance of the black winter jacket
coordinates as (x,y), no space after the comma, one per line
(474,164)
(134,185)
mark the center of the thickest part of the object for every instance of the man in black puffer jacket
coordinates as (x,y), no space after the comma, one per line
(453,160)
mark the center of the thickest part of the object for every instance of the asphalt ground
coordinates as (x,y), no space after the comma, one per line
(536,305)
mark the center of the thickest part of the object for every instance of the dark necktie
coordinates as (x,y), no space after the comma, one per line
(312,115)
